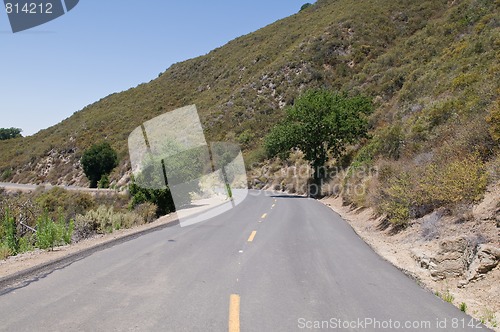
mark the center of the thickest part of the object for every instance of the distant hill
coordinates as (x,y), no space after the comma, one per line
(431,67)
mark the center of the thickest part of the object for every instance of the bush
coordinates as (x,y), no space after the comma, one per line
(8,233)
(4,251)
(305,6)
(246,138)
(462,180)
(397,199)
(104,220)
(59,201)
(46,235)
(147,211)
(414,192)
(99,161)
(50,234)
(161,198)
(103,182)
(26,244)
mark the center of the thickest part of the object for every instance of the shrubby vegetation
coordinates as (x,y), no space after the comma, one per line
(10,133)
(47,219)
(305,6)
(98,162)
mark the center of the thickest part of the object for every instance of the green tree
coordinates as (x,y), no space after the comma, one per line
(305,6)
(184,168)
(98,162)
(320,123)
(9,133)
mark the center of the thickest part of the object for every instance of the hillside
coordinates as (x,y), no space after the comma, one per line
(431,67)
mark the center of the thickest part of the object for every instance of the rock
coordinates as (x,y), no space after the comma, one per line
(422,258)
(451,259)
(485,260)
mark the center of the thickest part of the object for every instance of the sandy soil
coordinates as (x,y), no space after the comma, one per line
(481,296)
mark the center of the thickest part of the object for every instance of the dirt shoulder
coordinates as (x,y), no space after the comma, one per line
(433,250)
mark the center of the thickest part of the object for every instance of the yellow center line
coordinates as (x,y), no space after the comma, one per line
(264,216)
(272,207)
(234,313)
(252,236)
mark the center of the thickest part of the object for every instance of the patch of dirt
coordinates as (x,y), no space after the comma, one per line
(459,255)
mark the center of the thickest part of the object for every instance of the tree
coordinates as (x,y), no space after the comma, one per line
(183,168)
(320,123)
(305,6)
(9,133)
(98,162)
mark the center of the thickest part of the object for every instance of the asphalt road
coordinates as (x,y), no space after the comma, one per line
(271,264)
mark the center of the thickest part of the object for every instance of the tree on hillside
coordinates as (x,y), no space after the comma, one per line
(9,133)
(98,162)
(320,123)
(305,6)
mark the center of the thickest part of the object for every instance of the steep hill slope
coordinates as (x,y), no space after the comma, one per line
(424,63)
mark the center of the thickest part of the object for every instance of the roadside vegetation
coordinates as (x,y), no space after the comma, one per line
(47,219)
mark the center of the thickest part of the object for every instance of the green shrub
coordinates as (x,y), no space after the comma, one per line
(47,233)
(50,234)
(397,199)
(8,233)
(4,251)
(462,180)
(26,244)
(103,182)
(246,137)
(6,174)
(104,220)
(59,201)
(447,296)
(416,191)
(66,230)
(161,198)
(305,6)
(463,307)
(147,211)
(97,161)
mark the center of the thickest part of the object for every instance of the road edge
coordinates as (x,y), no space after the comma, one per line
(406,272)
(17,279)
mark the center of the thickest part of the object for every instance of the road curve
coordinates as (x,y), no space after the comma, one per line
(274,263)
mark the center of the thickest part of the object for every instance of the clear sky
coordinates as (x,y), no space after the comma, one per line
(105,46)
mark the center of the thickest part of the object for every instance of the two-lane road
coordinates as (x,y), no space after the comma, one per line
(274,263)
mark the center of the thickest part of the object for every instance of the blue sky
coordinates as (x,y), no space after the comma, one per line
(106,46)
